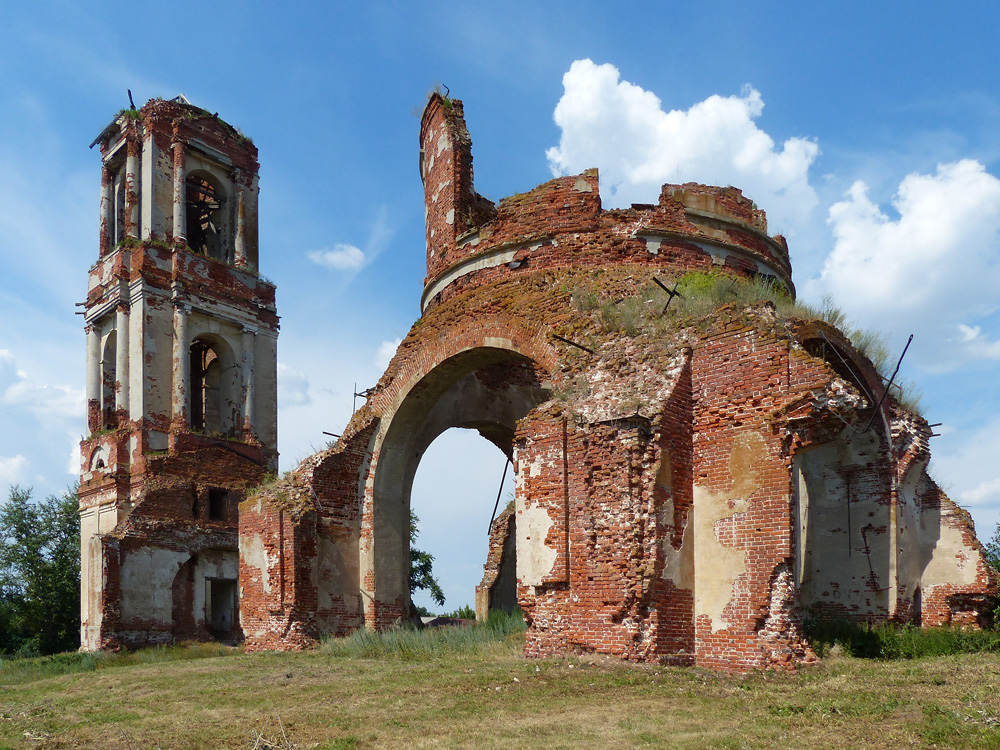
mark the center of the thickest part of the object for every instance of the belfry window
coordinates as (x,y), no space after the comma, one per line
(206,388)
(207,217)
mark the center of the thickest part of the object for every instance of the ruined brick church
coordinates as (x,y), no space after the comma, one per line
(694,473)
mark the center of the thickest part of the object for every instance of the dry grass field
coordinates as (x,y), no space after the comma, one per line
(483,694)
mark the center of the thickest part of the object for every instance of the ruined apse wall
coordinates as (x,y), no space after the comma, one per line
(683,475)
(171,448)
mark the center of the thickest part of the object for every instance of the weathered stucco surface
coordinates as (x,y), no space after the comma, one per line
(694,473)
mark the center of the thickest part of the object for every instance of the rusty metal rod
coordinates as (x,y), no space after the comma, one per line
(886,391)
(571,343)
(499,492)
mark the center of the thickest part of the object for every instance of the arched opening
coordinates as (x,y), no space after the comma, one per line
(455,490)
(108,381)
(213,386)
(842,534)
(485,389)
(207,217)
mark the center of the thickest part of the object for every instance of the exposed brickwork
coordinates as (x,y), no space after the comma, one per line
(687,485)
(690,482)
(159,494)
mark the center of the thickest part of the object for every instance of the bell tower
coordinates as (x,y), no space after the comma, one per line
(181,378)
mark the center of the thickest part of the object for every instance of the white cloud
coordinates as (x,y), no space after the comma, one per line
(12,469)
(940,252)
(624,131)
(293,387)
(385,352)
(930,266)
(340,258)
(982,493)
(52,402)
(976,344)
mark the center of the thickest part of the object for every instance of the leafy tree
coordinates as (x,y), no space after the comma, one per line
(39,574)
(993,550)
(421,575)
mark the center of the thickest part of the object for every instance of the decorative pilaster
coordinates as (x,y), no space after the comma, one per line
(181,367)
(180,195)
(249,342)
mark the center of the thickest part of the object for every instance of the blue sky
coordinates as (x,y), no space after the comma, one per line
(870,136)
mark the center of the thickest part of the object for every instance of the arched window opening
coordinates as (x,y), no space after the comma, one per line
(454,492)
(206,388)
(109,382)
(207,217)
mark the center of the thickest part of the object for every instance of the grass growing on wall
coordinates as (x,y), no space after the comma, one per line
(701,294)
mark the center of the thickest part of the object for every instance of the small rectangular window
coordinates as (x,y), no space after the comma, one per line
(218,505)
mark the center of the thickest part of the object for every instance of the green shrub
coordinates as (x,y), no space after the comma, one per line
(465,612)
(891,642)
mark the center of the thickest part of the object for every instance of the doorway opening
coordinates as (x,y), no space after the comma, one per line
(454,494)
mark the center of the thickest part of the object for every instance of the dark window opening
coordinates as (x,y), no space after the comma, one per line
(206,219)
(206,390)
(218,505)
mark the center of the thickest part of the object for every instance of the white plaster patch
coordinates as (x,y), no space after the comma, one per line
(147,576)
(253,553)
(719,565)
(450,216)
(952,561)
(534,558)
(582,186)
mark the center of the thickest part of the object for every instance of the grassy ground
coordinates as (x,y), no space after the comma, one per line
(484,694)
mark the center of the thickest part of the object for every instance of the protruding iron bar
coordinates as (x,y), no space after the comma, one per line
(886,391)
(671,293)
(331,434)
(499,492)
(364,394)
(565,340)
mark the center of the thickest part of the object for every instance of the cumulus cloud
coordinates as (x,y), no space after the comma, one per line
(293,387)
(12,469)
(385,352)
(931,266)
(624,131)
(340,258)
(941,249)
